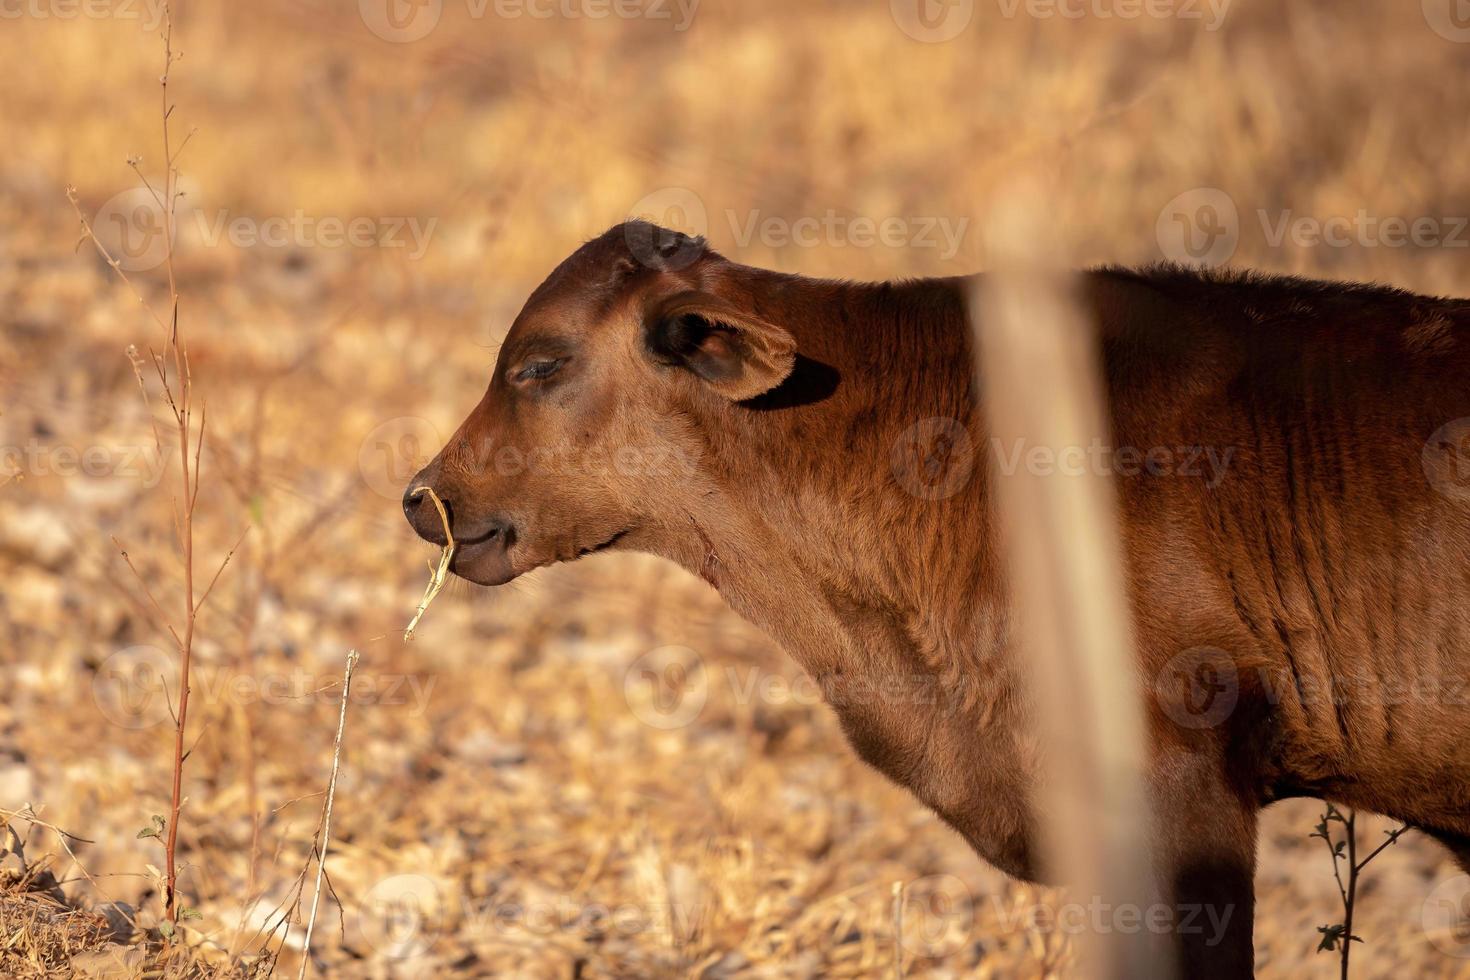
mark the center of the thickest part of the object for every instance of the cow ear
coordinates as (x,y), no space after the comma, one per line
(736,353)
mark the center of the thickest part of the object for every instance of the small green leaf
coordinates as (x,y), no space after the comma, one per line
(189,913)
(166,928)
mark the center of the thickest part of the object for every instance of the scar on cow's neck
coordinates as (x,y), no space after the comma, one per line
(709,567)
(809,381)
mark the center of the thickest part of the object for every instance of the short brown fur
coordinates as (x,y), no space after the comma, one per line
(1310,576)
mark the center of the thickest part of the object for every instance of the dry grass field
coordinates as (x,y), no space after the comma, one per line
(598,771)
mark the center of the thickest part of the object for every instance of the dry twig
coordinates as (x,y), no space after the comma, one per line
(321,858)
(178,391)
(440,575)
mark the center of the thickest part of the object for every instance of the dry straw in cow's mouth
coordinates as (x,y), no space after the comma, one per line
(438,575)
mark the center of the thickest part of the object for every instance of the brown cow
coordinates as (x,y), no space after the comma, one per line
(1295,521)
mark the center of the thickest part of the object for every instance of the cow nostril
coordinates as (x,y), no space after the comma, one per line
(424,516)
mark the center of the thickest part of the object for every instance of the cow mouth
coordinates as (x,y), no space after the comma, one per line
(610,542)
(483,561)
(486,559)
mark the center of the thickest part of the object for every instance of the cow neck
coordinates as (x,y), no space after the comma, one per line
(778,531)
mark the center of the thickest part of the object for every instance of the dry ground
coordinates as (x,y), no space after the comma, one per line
(521,796)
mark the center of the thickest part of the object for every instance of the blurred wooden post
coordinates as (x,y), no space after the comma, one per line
(1040,386)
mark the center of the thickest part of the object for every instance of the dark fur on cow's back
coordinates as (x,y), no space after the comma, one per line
(1330,559)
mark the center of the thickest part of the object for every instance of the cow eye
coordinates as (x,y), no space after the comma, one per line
(539,370)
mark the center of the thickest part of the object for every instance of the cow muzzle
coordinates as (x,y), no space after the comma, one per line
(482,552)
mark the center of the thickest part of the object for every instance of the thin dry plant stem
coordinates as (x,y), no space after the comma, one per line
(183,415)
(321,860)
(1064,556)
(898,930)
(190,448)
(1340,937)
(440,574)
(1350,898)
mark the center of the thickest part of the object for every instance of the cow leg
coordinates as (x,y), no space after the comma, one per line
(1206,857)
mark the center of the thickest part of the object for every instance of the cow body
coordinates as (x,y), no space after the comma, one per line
(1294,527)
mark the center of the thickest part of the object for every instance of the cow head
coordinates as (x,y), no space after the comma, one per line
(588,433)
